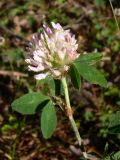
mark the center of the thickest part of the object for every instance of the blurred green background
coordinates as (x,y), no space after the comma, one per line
(96,109)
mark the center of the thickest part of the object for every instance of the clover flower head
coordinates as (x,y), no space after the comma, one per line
(52,52)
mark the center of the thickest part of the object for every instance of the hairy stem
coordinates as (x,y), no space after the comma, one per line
(69,111)
(72,121)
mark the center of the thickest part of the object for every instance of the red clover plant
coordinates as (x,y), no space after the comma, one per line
(54,53)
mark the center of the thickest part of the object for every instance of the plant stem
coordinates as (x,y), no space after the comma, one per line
(72,121)
(114,15)
(69,111)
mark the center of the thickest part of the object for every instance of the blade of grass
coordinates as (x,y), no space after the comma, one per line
(114,15)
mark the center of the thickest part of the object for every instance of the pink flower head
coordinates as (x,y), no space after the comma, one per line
(52,52)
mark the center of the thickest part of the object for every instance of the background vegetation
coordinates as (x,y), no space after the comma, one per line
(96,109)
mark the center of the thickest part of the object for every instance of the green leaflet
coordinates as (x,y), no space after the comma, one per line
(28,103)
(75,77)
(91,74)
(89,57)
(48,120)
